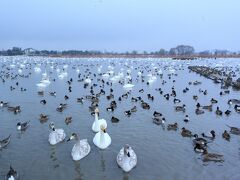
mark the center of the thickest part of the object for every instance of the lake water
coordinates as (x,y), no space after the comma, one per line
(161,154)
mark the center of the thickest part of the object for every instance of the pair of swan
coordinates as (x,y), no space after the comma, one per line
(79,150)
(101,139)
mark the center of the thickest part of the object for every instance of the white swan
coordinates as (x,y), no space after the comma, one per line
(81,149)
(20,71)
(45,81)
(98,122)
(37,69)
(56,136)
(128,85)
(126,158)
(88,81)
(102,139)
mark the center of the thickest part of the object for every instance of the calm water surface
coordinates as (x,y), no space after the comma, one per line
(161,154)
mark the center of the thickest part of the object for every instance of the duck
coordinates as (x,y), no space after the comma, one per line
(150,97)
(207,107)
(53,94)
(128,112)
(56,135)
(3,104)
(134,109)
(12,174)
(81,149)
(127,158)
(40,93)
(233,101)
(212,157)
(98,122)
(176,100)
(205,92)
(157,114)
(16,109)
(141,90)
(5,142)
(172,126)
(43,117)
(134,99)
(237,108)
(43,101)
(114,119)
(227,112)
(61,107)
(186,119)
(210,136)
(66,97)
(195,97)
(101,139)
(234,130)
(159,121)
(214,101)
(68,120)
(198,140)
(145,105)
(110,109)
(226,135)
(198,105)
(199,148)
(186,133)
(80,100)
(218,112)
(22,126)
(180,108)
(199,111)
(166,96)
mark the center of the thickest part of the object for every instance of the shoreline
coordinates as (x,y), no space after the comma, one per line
(131,56)
(134,56)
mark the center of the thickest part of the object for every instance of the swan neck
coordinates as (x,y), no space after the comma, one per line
(101,136)
(96,116)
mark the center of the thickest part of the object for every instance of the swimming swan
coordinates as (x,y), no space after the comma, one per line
(98,122)
(126,158)
(56,136)
(102,139)
(80,149)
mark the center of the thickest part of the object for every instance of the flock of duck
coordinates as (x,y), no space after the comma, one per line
(96,83)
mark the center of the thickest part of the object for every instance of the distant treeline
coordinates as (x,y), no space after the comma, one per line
(181,50)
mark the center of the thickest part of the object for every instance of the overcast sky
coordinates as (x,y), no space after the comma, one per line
(120,25)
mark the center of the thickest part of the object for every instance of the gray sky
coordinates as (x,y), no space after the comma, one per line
(120,25)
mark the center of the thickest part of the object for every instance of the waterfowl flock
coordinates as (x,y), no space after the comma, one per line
(111,95)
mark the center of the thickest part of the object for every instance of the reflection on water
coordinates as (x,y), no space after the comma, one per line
(102,163)
(78,171)
(53,157)
(125,177)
